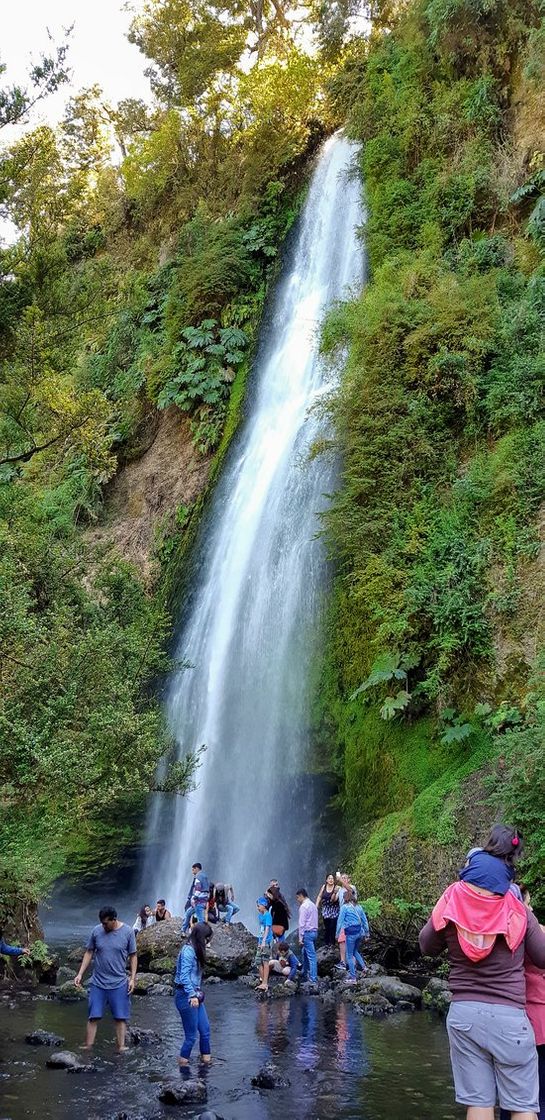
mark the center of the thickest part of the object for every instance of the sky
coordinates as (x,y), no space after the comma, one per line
(99,51)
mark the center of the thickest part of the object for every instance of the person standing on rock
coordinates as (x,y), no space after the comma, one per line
(110,946)
(264,942)
(308,932)
(344,885)
(197,898)
(353,920)
(328,900)
(279,912)
(189,996)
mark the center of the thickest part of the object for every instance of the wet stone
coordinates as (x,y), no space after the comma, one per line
(161,990)
(43,1038)
(144,981)
(68,993)
(270,1077)
(140,1037)
(213,980)
(209,1116)
(164,964)
(183,1092)
(65,1059)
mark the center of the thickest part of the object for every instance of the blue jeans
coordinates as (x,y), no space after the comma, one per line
(352,954)
(230,910)
(198,910)
(194,1021)
(309,960)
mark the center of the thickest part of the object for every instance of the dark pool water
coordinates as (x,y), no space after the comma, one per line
(339,1064)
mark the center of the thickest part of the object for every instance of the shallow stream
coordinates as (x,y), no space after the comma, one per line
(339,1064)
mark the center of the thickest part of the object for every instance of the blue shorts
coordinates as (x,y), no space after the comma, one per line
(117,999)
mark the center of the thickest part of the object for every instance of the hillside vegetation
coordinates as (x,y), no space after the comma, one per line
(432,698)
(146,238)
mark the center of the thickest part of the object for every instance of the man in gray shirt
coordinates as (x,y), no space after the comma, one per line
(109,947)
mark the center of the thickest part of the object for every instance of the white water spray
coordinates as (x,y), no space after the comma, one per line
(252,629)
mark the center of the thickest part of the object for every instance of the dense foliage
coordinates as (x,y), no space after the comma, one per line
(441,420)
(133,284)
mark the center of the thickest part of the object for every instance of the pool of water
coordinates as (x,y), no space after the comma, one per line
(339,1064)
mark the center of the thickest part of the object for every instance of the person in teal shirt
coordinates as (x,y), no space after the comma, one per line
(264,943)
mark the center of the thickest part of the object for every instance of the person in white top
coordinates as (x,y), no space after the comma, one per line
(308,932)
(144,919)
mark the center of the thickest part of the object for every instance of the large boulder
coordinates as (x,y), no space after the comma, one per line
(160,941)
(144,981)
(43,1038)
(231,951)
(66,1059)
(69,992)
(327,957)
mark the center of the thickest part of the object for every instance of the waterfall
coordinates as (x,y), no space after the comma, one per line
(252,629)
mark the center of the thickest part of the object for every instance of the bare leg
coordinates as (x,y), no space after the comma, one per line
(120,1030)
(474,1113)
(342,951)
(266,970)
(90,1034)
(523,1116)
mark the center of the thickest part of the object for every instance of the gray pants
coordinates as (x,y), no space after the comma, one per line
(493,1055)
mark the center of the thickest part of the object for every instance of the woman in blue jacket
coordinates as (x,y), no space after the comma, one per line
(353,919)
(189,997)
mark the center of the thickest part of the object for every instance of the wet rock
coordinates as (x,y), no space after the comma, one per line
(373,1005)
(327,957)
(65,974)
(68,993)
(437,995)
(161,990)
(43,1038)
(76,954)
(376,970)
(328,998)
(290,986)
(270,1077)
(140,1037)
(209,1116)
(309,988)
(231,951)
(404,1005)
(394,989)
(249,981)
(65,1059)
(212,980)
(163,964)
(144,981)
(182,1092)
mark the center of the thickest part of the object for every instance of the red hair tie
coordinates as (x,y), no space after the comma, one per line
(515,841)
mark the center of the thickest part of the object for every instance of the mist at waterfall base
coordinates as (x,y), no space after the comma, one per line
(252,630)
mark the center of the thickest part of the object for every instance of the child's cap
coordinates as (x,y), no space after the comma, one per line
(262,901)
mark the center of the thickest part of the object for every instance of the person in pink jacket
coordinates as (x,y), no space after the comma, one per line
(535,1010)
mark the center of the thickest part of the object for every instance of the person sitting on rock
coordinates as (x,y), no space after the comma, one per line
(264,943)
(225,902)
(144,919)
(110,945)
(161,914)
(211,914)
(284,962)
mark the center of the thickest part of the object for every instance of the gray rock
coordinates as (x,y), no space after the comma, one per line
(144,981)
(65,974)
(209,1116)
(163,964)
(437,995)
(404,1005)
(68,993)
(140,1037)
(231,951)
(76,954)
(212,980)
(65,1059)
(327,957)
(270,1077)
(161,990)
(43,1038)
(309,988)
(393,989)
(182,1092)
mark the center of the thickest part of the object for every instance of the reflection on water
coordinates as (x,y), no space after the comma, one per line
(339,1064)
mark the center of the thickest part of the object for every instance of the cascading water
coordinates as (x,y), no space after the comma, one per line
(253,626)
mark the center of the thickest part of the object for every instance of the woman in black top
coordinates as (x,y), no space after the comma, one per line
(279,912)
